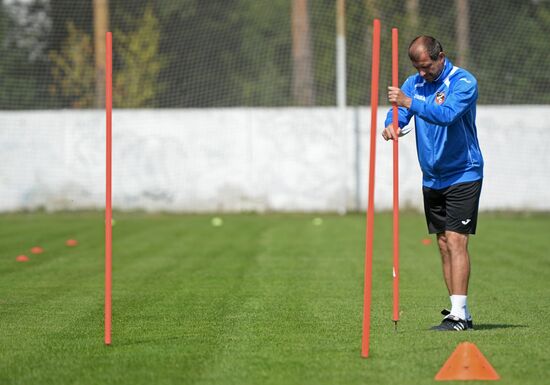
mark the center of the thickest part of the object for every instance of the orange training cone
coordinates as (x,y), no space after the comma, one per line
(467,363)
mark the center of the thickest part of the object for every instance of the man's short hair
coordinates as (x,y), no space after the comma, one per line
(432,45)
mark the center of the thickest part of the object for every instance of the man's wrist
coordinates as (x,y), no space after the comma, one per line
(407,102)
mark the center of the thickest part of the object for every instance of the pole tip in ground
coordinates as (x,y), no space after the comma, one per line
(22,258)
(37,250)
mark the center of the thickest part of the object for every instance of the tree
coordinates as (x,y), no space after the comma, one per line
(200,40)
(23,63)
(462,31)
(302,55)
(73,69)
(101,26)
(221,53)
(412,13)
(511,73)
(261,68)
(136,79)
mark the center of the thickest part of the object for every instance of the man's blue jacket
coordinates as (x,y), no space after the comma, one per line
(446,136)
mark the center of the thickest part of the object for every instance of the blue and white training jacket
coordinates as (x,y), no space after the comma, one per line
(446,136)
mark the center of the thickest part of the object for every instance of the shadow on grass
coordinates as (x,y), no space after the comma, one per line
(497,326)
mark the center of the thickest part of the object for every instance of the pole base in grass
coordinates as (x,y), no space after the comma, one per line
(22,258)
(37,250)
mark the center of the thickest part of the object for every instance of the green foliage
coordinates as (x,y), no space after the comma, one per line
(17,89)
(136,79)
(202,46)
(193,53)
(22,73)
(262,70)
(137,59)
(509,62)
(73,69)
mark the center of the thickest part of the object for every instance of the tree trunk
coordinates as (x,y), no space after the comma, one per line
(101,24)
(462,31)
(412,15)
(341,99)
(373,11)
(302,74)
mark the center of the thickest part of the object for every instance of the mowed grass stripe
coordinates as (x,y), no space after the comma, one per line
(184,313)
(275,329)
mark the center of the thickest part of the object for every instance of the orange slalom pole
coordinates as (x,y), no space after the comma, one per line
(367,296)
(395,120)
(108,185)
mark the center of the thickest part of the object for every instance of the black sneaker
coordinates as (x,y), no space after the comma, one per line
(470,323)
(451,323)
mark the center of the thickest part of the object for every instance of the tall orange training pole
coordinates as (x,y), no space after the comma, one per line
(108,174)
(395,120)
(375,74)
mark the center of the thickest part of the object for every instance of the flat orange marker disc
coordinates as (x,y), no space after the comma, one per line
(71,242)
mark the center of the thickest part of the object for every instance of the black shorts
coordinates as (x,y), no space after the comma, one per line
(453,208)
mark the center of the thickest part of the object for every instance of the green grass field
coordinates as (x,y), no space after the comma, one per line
(269,299)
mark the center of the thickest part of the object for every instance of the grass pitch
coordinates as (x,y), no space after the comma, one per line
(274,299)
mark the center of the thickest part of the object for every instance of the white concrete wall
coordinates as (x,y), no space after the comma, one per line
(243,159)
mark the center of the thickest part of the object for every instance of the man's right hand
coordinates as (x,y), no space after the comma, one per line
(388,133)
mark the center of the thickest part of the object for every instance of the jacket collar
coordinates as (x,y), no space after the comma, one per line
(447,68)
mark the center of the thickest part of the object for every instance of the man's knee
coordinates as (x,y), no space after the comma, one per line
(456,242)
(442,241)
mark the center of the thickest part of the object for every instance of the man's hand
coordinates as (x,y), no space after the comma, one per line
(395,95)
(388,133)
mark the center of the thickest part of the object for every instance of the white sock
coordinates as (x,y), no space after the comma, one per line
(459,306)
(467,310)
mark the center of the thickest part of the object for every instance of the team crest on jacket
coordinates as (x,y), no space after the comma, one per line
(440,97)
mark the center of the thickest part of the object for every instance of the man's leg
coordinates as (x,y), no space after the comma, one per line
(460,217)
(447,270)
(458,262)
(457,246)
(445,260)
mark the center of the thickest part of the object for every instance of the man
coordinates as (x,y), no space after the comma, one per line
(442,98)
